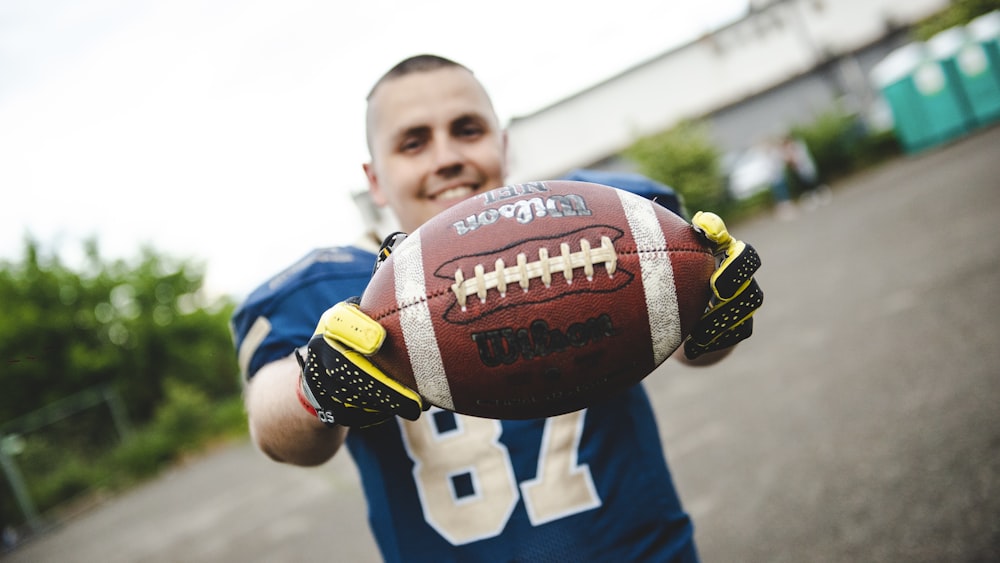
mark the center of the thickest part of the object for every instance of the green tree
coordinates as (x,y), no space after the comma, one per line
(684,158)
(142,327)
(127,324)
(960,12)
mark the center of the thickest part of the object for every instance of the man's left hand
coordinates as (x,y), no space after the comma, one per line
(735,293)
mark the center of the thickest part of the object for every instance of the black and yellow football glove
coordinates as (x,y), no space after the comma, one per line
(338,382)
(735,293)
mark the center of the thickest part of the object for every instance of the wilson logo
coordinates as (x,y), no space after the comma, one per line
(523,211)
(508,345)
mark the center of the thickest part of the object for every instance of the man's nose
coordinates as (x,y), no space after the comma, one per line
(448,157)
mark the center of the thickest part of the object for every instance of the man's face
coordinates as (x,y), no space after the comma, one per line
(435,141)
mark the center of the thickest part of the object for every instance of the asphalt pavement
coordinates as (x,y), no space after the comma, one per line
(860,423)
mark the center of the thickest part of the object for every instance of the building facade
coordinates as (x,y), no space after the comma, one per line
(783,63)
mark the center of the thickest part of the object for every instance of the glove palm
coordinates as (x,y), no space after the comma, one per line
(339,383)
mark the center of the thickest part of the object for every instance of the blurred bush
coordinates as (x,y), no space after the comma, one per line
(831,139)
(143,328)
(186,422)
(841,144)
(684,158)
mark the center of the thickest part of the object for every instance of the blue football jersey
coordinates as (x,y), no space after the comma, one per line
(589,485)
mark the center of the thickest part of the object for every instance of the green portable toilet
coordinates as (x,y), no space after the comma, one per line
(924,107)
(947,100)
(968,70)
(985,31)
(893,78)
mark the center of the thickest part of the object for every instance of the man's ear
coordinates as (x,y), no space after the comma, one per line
(373,186)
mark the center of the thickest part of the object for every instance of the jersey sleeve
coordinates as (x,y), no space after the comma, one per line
(281,315)
(635,183)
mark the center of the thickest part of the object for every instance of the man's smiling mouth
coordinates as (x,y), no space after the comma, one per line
(463,191)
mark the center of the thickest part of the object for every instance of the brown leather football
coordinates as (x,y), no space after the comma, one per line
(538,299)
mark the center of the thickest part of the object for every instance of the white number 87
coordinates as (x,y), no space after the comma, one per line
(466,483)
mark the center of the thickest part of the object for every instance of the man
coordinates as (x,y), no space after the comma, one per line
(588,485)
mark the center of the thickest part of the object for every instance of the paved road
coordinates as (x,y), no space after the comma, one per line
(861,423)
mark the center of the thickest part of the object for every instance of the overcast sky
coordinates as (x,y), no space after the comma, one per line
(231,131)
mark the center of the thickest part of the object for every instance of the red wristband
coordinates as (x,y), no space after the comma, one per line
(302,399)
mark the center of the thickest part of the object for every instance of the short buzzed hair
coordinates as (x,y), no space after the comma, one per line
(416,63)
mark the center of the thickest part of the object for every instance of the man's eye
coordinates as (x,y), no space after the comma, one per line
(410,145)
(470,131)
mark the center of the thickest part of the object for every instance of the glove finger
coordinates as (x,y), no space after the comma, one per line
(388,245)
(735,271)
(725,316)
(728,338)
(347,324)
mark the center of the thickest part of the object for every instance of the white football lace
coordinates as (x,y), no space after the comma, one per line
(523,272)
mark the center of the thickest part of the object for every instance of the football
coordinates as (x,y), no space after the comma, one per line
(538,299)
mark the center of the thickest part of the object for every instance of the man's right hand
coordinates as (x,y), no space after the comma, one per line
(339,384)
